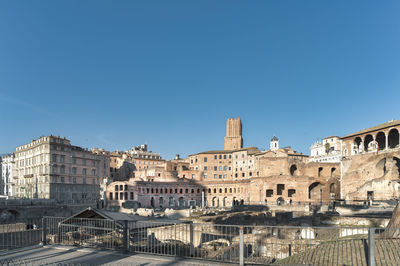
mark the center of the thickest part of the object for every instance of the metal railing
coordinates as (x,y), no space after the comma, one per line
(201,241)
(82,232)
(20,234)
(286,245)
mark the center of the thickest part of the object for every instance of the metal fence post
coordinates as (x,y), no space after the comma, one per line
(125,237)
(175,240)
(44,233)
(371,247)
(191,239)
(241,247)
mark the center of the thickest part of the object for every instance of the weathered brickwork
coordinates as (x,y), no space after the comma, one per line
(219,178)
(367,169)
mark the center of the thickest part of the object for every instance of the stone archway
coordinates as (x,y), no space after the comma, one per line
(280,201)
(152,202)
(293,170)
(381,140)
(332,188)
(368,138)
(393,138)
(314,191)
(357,146)
(171,201)
(181,202)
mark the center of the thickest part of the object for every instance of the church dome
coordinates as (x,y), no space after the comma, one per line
(274,138)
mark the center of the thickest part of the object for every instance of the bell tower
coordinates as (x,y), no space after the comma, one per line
(274,144)
(233,138)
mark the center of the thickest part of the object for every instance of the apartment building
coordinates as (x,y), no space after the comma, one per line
(51,168)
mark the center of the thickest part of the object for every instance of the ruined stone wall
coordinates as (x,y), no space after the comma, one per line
(371,175)
(285,178)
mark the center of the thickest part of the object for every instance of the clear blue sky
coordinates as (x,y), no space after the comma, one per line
(116,74)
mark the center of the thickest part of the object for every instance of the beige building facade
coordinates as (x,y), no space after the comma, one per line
(51,168)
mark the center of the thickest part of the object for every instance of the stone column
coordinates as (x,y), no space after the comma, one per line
(387,141)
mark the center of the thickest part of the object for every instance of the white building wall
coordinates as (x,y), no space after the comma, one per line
(6,165)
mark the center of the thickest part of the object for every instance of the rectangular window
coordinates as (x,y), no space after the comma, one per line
(220,156)
(62,158)
(224,168)
(74,170)
(205,168)
(205,159)
(215,157)
(215,176)
(220,176)
(84,171)
(131,195)
(225,156)
(279,189)
(205,176)
(93,171)
(111,196)
(215,168)
(220,168)
(62,169)
(54,158)
(193,176)
(74,160)
(83,161)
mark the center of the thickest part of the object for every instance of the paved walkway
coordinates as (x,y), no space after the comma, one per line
(61,255)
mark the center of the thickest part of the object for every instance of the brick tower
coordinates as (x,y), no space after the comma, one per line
(233,138)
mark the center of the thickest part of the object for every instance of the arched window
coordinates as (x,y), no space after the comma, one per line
(320,171)
(333,171)
(393,138)
(357,143)
(381,140)
(367,140)
(293,169)
(332,188)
